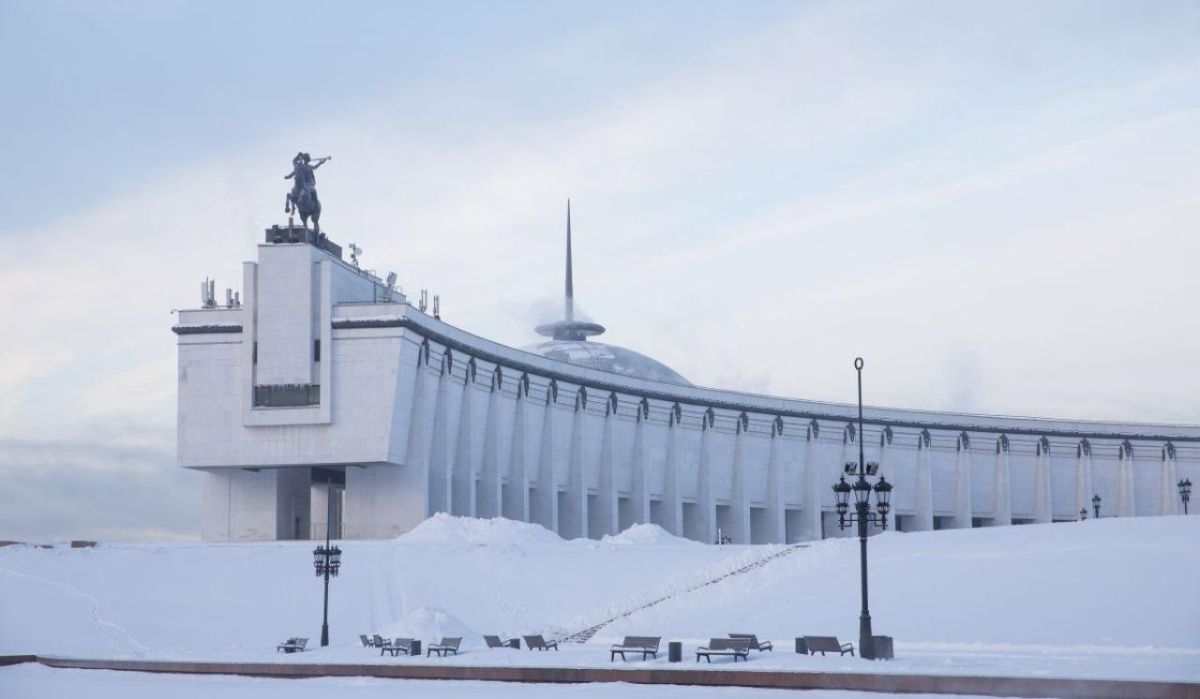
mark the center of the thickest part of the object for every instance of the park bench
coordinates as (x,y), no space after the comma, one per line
(754,642)
(646,645)
(396,646)
(539,643)
(737,647)
(292,645)
(448,645)
(367,642)
(821,644)
(495,642)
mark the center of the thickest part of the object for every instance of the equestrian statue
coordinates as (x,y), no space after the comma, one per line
(303,197)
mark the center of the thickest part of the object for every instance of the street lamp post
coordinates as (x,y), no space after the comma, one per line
(327,560)
(1185,492)
(1096,505)
(863,516)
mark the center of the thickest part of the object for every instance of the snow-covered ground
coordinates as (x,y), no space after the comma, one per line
(1110,598)
(37,682)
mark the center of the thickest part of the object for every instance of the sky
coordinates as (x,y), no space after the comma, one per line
(995,204)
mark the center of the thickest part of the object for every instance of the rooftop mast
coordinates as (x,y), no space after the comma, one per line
(570,285)
(568,329)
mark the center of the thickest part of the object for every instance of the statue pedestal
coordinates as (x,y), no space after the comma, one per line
(299,234)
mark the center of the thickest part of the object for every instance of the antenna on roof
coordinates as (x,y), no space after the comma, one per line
(437,307)
(570,282)
(208,293)
(569,329)
(423,303)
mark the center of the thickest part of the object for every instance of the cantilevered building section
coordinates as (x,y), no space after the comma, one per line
(326,377)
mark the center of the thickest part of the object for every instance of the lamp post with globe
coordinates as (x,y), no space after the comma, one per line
(326,561)
(863,516)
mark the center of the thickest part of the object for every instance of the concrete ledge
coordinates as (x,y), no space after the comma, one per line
(17,659)
(868,682)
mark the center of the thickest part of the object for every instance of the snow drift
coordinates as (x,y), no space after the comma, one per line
(1100,583)
(648,534)
(444,530)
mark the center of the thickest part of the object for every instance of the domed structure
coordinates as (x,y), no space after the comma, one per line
(605,357)
(570,343)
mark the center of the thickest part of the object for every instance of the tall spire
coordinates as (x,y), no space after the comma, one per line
(570,284)
(568,329)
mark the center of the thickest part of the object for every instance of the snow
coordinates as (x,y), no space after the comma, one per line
(446,530)
(428,622)
(648,534)
(1110,598)
(37,682)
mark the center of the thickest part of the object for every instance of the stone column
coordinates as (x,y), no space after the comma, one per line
(573,519)
(439,446)
(491,493)
(606,493)
(1043,503)
(1126,502)
(1001,477)
(1167,478)
(923,496)
(1083,477)
(776,487)
(810,497)
(639,490)
(672,503)
(516,495)
(705,503)
(739,502)
(544,504)
(420,432)
(962,483)
(883,459)
(462,469)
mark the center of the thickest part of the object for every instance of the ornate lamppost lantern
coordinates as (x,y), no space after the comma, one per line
(1185,492)
(326,562)
(1096,505)
(863,516)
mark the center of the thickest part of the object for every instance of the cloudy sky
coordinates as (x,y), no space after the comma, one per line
(995,204)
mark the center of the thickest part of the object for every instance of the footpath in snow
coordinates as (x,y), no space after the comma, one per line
(1113,598)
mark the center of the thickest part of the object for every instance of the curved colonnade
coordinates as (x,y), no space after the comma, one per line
(326,380)
(504,433)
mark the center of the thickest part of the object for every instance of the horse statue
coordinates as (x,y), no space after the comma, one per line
(303,197)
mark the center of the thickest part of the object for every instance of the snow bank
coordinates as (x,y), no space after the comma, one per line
(1125,584)
(648,534)
(446,529)
(430,623)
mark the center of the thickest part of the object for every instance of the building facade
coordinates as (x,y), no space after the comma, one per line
(325,382)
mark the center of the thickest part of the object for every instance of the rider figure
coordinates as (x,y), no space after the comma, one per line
(303,178)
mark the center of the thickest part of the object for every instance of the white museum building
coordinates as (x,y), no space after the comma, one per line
(322,378)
